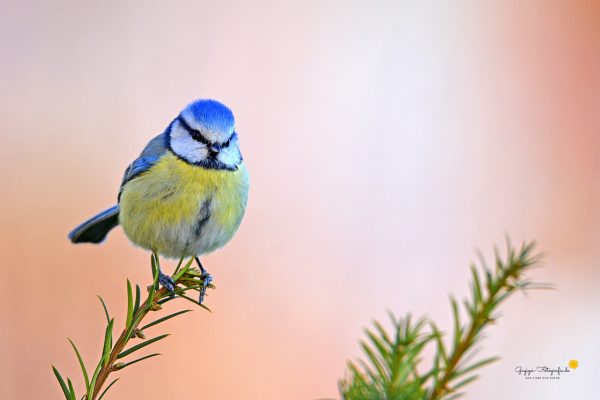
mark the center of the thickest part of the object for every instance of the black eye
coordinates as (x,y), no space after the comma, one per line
(196,135)
(228,142)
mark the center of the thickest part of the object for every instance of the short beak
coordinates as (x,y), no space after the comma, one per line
(215,148)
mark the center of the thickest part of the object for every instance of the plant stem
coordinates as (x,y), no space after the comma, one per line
(186,278)
(479,320)
(122,341)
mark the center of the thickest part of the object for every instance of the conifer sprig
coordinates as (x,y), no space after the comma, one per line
(185,277)
(391,370)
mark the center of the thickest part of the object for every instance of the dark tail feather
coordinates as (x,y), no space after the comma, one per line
(95,229)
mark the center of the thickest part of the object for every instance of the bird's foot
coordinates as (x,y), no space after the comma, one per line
(167,282)
(206,280)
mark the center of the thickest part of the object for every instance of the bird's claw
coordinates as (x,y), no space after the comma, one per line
(167,282)
(206,280)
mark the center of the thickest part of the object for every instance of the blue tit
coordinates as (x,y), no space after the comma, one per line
(186,194)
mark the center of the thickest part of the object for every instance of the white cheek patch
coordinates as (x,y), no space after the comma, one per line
(185,147)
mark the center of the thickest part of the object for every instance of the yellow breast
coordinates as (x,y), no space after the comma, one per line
(178,209)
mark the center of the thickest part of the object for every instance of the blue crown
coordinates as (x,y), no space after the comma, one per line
(211,115)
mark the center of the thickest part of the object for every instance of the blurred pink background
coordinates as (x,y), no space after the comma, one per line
(385,140)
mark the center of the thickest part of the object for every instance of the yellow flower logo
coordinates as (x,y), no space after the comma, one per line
(573,364)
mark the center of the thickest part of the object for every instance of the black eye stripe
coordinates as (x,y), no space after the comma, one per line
(195,134)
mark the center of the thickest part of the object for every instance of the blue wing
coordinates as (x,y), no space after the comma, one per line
(95,229)
(150,156)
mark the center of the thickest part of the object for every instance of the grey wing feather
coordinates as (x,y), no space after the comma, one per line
(155,149)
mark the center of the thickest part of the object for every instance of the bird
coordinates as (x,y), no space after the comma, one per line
(186,193)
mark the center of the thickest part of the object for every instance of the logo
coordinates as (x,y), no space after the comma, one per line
(544,372)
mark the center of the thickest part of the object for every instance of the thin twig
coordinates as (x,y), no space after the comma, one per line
(124,338)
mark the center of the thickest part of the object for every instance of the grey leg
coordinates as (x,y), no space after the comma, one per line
(207,279)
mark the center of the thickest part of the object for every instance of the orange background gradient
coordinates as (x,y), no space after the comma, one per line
(385,141)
